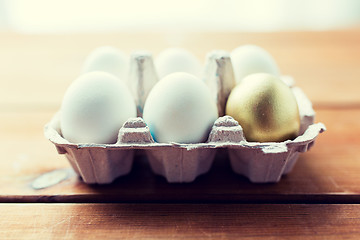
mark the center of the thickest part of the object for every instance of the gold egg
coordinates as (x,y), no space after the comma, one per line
(265,107)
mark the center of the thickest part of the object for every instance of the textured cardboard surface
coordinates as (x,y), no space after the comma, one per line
(260,162)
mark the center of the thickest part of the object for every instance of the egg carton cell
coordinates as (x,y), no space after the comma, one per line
(259,162)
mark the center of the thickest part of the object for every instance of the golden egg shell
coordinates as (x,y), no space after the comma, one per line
(265,107)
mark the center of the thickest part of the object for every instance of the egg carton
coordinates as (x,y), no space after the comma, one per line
(259,162)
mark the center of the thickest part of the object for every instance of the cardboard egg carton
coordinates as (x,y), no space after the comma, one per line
(259,162)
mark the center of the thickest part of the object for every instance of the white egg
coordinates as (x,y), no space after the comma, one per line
(180,109)
(107,59)
(94,108)
(177,60)
(249,59)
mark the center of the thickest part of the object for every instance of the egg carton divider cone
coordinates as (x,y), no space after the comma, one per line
(259,162)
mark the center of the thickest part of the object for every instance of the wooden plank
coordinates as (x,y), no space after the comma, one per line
(329,172)
(35,70)
(179,221)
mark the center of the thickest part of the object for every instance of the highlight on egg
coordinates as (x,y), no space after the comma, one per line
(94,108)
(180,109)
(265,107)
(107,59)
(173,60)
(249,59)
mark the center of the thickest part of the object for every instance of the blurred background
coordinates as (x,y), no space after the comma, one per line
(64,16)
(43,43)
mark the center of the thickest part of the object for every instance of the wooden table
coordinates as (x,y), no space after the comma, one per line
(319,199)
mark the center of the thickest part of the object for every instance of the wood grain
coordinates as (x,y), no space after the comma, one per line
(35,71)
(179,221)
